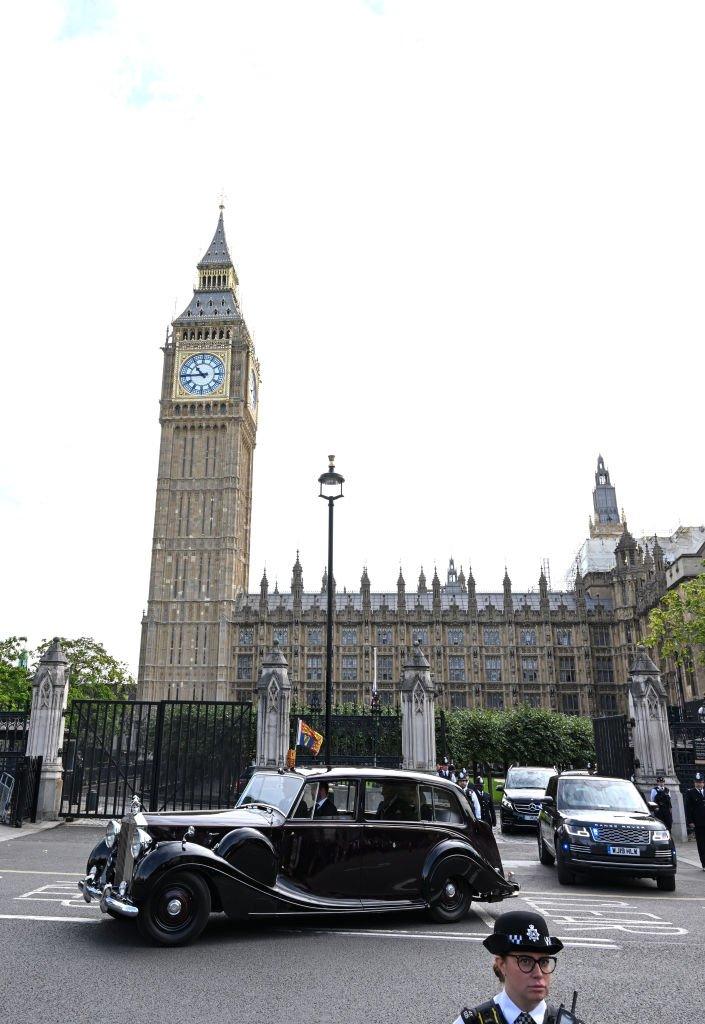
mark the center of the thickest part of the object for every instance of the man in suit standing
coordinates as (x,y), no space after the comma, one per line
(695,813)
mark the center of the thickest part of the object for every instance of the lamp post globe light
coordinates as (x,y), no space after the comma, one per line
(331,488)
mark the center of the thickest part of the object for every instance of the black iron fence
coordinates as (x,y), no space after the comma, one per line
(14,729)
(688,740)
(614,754)
(19,788)
(363,738)
(174,755)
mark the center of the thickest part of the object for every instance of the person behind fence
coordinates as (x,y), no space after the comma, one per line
(524,961)
(695,813)
(662,798)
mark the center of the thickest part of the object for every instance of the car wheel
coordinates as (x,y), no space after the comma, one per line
(565,875)
(176,911)
(666,883)
(505,829)
(454,902)
(545,856)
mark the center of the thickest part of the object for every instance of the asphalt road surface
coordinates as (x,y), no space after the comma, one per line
(634,954)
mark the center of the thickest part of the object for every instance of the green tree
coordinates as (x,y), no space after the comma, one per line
(526,735)
(677,624)
(15,680)
(93,673)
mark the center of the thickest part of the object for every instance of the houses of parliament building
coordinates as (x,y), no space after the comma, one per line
(204,635)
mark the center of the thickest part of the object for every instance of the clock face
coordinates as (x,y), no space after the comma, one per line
(202,374)
(253,389)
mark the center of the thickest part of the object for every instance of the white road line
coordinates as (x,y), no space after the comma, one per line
(518,863)
(484,916)
(38,917)
(22,871)
(445,937)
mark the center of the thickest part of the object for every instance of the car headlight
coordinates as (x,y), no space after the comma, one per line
(574,829)
(660,835)
(112,832)
(140,841)
(507,803)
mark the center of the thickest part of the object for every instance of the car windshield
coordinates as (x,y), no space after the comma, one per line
(599,795)
(276,790)
(527,778)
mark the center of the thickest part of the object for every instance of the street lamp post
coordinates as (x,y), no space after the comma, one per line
(331,488)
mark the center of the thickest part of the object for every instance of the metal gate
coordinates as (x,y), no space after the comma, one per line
(365,739)
(19,774)
(174,755)
(614,755)
(688,740)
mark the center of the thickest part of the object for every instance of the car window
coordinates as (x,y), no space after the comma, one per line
(343,793)
(426,803)
(304,808)
(527,778)
(446,807)
(599,795)
(552,786)
(276,790)
(391,800)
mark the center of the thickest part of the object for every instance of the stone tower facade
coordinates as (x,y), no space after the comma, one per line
(201,544)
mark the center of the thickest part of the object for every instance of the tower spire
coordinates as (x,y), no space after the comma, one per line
(604,499)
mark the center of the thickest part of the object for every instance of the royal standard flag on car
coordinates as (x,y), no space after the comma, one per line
(308,738)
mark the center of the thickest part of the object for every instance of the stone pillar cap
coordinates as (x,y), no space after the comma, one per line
(642,664)
(274,658)
(417,658)
(54,654)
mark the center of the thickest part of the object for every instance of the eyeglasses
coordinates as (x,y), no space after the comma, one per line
(547,964)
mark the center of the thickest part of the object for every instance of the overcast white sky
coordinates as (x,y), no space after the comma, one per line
(471,246)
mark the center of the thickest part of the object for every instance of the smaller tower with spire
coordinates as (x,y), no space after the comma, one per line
(604,500)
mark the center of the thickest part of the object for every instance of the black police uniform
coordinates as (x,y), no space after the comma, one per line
(662,799)
(490,1013)
(695,815)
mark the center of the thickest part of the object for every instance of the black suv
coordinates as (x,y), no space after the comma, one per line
(596,823)
(521,797)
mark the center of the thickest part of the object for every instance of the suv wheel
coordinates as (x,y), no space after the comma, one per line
(504,829)
(545,855)
(666,883)
(564,874)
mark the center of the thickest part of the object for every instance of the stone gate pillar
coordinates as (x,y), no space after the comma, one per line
(418,713)
(273,708)
(50,688)
(651,734)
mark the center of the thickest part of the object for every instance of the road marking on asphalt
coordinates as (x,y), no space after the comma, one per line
(589,913)
(39,917)
(62,892)
(34,871)
(518,863)
(581,942)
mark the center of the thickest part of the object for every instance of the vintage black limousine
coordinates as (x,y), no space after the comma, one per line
(299,842)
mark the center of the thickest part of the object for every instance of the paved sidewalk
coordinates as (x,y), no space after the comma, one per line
(29,829)
(688,853)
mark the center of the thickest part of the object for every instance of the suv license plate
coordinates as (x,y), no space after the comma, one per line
(624,851)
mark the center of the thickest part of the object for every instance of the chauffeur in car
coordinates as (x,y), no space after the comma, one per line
(391,841)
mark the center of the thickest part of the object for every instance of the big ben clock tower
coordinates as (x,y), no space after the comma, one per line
(201,544)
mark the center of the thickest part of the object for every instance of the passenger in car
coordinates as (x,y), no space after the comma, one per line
(325,807)
(398,802)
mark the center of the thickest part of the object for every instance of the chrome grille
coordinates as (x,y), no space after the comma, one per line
(527,806)
(124,861)
(622,835)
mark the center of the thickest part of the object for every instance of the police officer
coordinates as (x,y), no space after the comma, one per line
(486,802)
(695,813)
(662,798)
(524,961)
